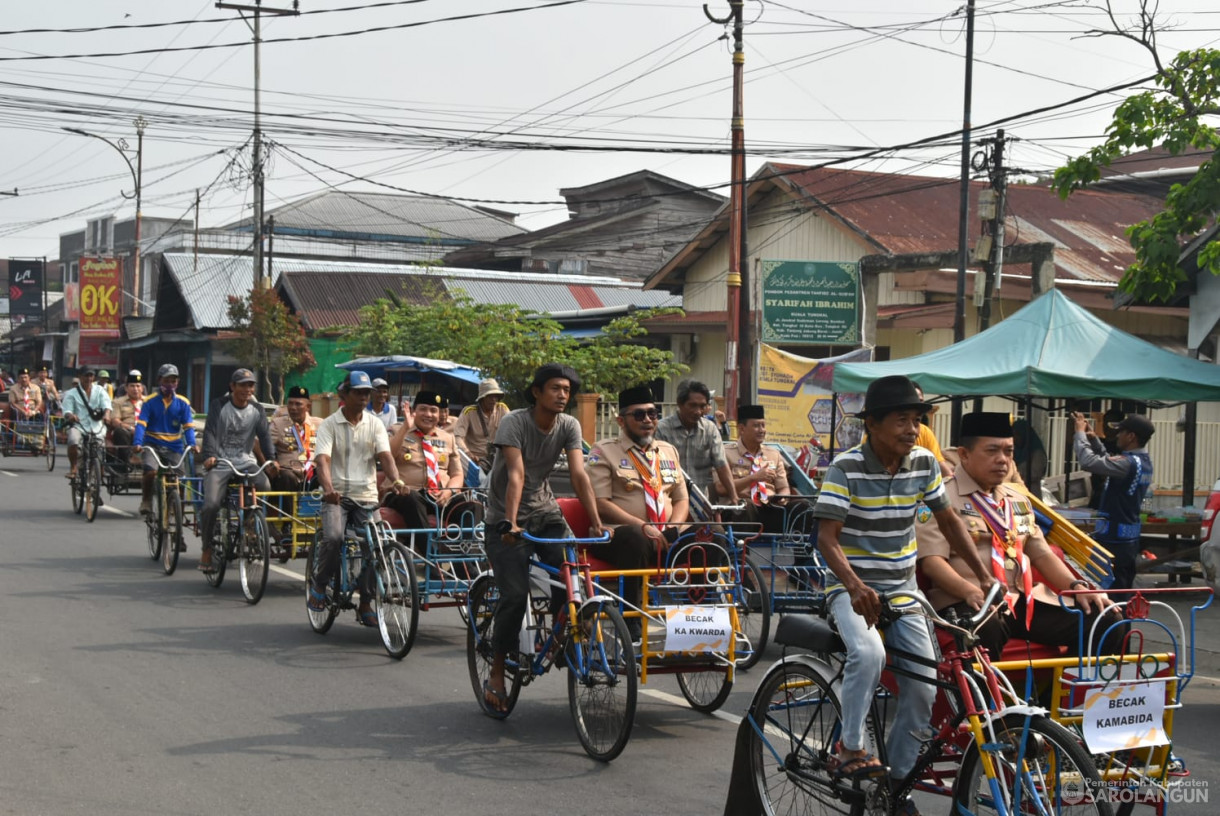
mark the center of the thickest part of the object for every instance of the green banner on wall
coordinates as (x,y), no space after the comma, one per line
(810,302)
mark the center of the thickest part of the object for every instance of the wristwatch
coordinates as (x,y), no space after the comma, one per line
(1079,583)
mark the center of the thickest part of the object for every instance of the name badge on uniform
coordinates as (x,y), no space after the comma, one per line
(624,463)
(968,510)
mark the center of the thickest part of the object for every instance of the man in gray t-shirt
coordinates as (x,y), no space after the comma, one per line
(528,443)
(233,422)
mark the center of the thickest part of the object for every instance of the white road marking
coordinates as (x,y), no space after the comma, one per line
(8,473)
(674,699)
(116,511)
(285,571)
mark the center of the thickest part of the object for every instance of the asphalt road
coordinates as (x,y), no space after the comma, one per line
(124,691)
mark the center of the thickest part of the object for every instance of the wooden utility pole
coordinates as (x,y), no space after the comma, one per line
(963,213)
(738,353)
(255,23)
(994,263)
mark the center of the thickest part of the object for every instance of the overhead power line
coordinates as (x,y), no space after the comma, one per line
(303,38)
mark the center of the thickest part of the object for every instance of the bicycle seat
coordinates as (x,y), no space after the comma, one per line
(808,632)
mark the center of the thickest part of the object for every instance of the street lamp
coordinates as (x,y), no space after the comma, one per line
(137,175)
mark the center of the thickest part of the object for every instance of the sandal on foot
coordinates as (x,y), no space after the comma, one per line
(316,601)
(864,766)
(367,617)
(494,700)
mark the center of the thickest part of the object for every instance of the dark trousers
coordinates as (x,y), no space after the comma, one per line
(336,518)
(510,562)
(630,549)
(287,481)
(414,508)
(1051,625)
(122,436)
(1123,565)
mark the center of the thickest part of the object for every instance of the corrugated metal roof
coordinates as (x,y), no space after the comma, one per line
(390,217)
(206,288)
(328,293)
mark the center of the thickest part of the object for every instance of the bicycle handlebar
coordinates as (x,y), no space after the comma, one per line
(161,464)
(233,468)
(601,540)
(993,595)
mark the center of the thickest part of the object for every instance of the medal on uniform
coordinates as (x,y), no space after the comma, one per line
(302,458)
(406,457)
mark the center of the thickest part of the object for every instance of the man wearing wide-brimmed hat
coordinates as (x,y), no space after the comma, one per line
(477,425)
(866,510)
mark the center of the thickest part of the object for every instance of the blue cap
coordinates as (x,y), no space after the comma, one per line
(359,379)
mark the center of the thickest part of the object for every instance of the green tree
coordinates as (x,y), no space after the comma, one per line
(509,343)
(270,339)
(1174,115)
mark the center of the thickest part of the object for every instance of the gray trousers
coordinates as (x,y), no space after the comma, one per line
(215,488)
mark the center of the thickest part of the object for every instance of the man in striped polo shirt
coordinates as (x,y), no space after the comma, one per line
(867,506)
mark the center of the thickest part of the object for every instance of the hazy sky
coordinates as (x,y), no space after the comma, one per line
(490,108)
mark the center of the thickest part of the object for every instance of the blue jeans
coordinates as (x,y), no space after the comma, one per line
(865,661)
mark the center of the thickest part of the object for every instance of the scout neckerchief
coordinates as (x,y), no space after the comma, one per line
(643,464)
(303,446)
(1007,548)
(434,473)
(26,400)
(758,490)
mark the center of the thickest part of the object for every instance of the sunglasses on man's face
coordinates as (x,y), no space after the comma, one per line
(639,413)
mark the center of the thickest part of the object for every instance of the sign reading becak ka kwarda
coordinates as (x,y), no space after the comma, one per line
(100,294)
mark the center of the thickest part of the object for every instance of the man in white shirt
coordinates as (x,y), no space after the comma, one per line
(350,443)
(89,406)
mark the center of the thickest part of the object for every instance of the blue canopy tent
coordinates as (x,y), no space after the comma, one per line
(404,363)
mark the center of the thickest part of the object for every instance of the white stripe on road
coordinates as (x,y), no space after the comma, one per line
(679,701)
(116,511)
(8,473)
(300,576)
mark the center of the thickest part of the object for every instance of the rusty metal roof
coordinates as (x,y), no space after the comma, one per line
(901,214)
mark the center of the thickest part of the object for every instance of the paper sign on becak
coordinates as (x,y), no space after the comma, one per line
(100,294)
(697,629)
(1124,716)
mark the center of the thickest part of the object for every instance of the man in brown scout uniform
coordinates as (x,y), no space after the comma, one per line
(293,434)
(641,494)
(427,460)
(24,398)
(1001,521)
(759,474)
(125,410)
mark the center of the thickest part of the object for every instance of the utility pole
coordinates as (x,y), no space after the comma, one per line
(963,249)
(140,124)
(994,262)
(257,10)
(738,356)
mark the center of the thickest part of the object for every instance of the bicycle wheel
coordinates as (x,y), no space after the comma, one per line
(706,690)
(753,614)
(153,522)
(397,600)
(224,543)
(171,530)
(254,556)
(1041,768)
(602,682)
(49,447)
(77,485)
(320,620)
(481,604)
(93,486)
(795,719)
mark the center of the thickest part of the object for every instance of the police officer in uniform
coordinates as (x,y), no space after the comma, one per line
(1001,521)
(292,434)
(427,460)
(759,474)
(125,410)
(641,494)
